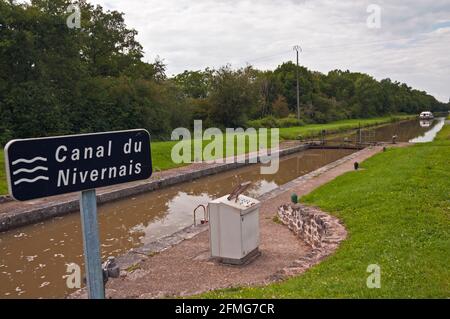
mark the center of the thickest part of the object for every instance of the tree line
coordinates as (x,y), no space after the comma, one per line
(55,80)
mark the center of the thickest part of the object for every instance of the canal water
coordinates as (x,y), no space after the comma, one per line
(33,259)
(414,131)
(433,128)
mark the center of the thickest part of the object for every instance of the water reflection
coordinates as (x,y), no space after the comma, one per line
(434,128)
(425,123)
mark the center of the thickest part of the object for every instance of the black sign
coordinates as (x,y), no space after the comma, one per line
(50,166)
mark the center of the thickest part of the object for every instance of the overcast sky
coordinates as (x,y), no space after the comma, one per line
(412,44)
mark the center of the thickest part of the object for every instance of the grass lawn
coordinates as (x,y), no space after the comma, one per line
(397,213)
(161,151)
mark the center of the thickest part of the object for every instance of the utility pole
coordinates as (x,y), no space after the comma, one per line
(298,49)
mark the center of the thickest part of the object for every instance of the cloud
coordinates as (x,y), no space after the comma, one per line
(411,46)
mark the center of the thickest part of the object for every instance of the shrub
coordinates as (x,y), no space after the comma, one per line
(290,122)
(272,122)
(280,107)
(268,122)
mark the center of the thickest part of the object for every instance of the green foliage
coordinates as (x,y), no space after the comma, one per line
(56,80)
(195,84)
(272,122)
(280,107)
(290,121)
(268,121)
(233,98)
(285,77)
(403,226)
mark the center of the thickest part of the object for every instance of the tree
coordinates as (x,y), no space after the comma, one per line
(194,84)
(285,75)
(234,96)
(56,80)
(280,107)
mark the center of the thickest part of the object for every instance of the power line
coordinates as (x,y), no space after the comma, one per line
(337,46)
(262,58)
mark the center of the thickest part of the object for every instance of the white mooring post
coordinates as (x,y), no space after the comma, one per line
(91,244)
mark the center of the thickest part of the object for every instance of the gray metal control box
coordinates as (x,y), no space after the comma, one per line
(234,228)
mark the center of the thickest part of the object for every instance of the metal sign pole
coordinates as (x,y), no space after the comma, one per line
(91,244)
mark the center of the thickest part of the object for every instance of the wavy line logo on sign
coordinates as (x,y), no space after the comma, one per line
(26,174)
(50,166)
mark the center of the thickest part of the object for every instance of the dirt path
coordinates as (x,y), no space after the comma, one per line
(186,268)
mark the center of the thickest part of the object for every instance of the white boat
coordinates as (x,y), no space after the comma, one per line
(426,116)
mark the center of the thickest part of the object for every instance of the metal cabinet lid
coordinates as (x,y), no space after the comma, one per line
(244,204)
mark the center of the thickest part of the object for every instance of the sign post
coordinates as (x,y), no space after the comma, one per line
(42,167)
(91,245)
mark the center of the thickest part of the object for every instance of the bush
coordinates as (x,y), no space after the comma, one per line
(280,107)
(268,122)
(290,121)
(272,122)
